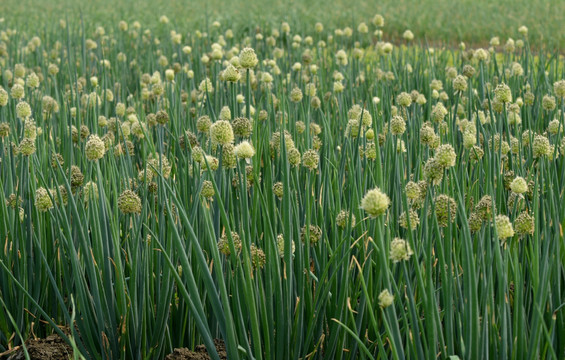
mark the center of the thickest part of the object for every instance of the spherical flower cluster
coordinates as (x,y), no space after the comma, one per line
(514,118)
(258,258)
(484,207)
(162,117)
(296,95)
(541,146)
(203,124)
(316,143)
(94,148)
(223,244)
(278,189)
(315,102)
(207,189)
(62,191)
(221,132)
(468,71)
(411,216)
(244,150)
(469,140)
(315,234)
(52,69)
(310,89)
(93,100)
(4,129)
(56,160)
(206,86)
(138,129)
(266,78)
(159,165)
(276,141)
(439,112)
(404,99)
(310,159)
(445,209)
(85,131)
(43,200)
(400,250)
(523,30)
(433,171)
(517,69)
(225,113)
(378,20)
(524,224)
(281,245)
(13,201)
(338,87)
(519,185)
(445,156)
(248,58)
(355,112)
(3,97)
(27,146)
(353,128)
(387,48)
(341,57)
(170,74)
(294,156)
(421,99)
(343,217)
(375,202)
(475,222)
(229,160)
(49,105)
(548,103)
(559,88)
(412,191)
(408,35)
(120,109)
(397,125)
(385,299)
(553,127)
(242,126)
(503,227)
(460,83)
(502,93)
(427,134)
(231,74)
(129,202)
(23,110)
(400,147)
(529,98)
(17,91)
(499,144)
(90,190)
(30,129)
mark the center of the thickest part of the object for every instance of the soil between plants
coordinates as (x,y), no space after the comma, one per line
(53,347)
(199,352)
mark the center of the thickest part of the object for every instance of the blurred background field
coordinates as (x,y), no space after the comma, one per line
(444,21)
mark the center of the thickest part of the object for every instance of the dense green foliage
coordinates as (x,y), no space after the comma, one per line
(413,207)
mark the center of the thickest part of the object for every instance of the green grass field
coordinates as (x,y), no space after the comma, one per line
(473,22)
(313,186)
